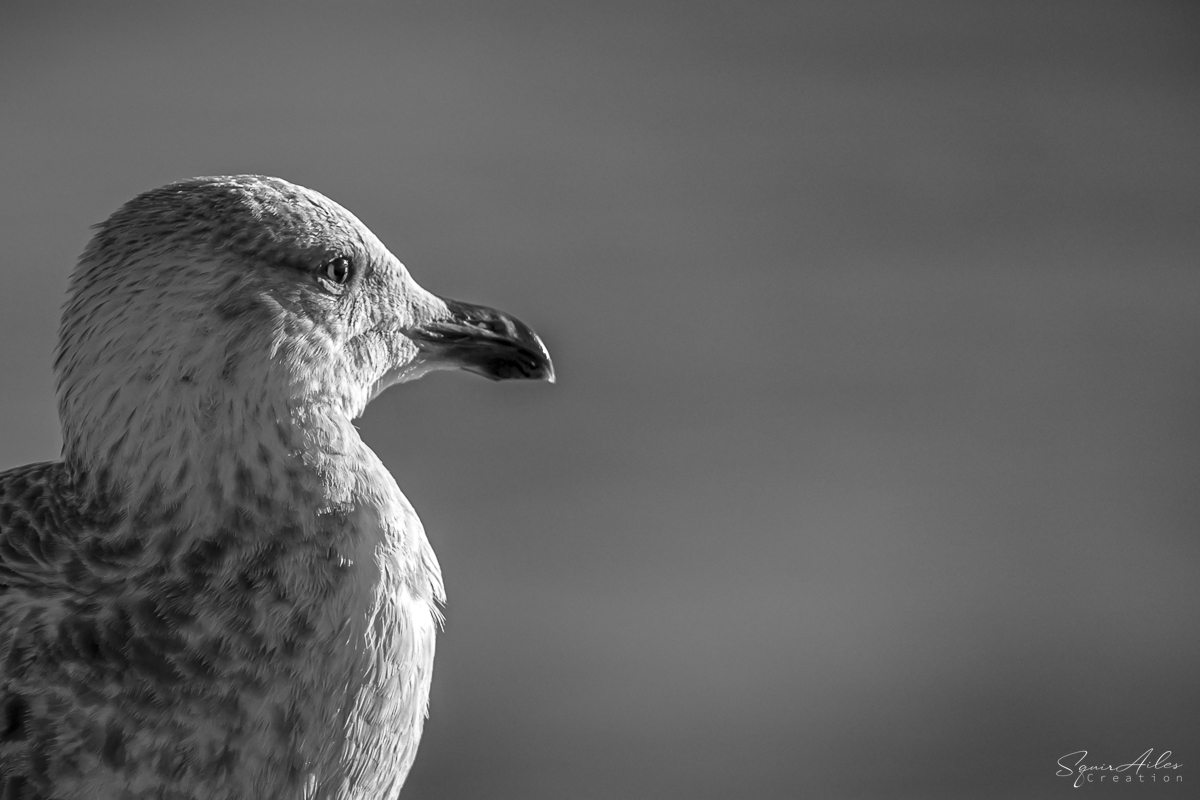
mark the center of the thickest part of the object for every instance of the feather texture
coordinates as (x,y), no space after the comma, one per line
(220,592)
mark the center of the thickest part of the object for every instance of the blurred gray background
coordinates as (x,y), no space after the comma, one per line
(872,470)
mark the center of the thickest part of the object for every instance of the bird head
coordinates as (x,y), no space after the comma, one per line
(224,298)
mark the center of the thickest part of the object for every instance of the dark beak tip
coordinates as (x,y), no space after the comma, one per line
(488,342)
(545,367)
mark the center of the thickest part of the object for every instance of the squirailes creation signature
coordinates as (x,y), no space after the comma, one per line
(1122,773)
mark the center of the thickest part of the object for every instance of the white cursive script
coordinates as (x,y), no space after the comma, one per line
(1083,772)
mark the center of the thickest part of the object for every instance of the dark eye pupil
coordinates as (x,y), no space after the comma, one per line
(338,270)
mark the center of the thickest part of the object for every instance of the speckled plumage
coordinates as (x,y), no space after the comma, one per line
(220,592)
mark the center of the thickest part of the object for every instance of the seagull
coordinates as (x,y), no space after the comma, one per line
(220,592)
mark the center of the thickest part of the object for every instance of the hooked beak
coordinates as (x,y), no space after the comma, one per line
(484,341)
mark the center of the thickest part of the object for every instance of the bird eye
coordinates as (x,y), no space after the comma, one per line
(337,270)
